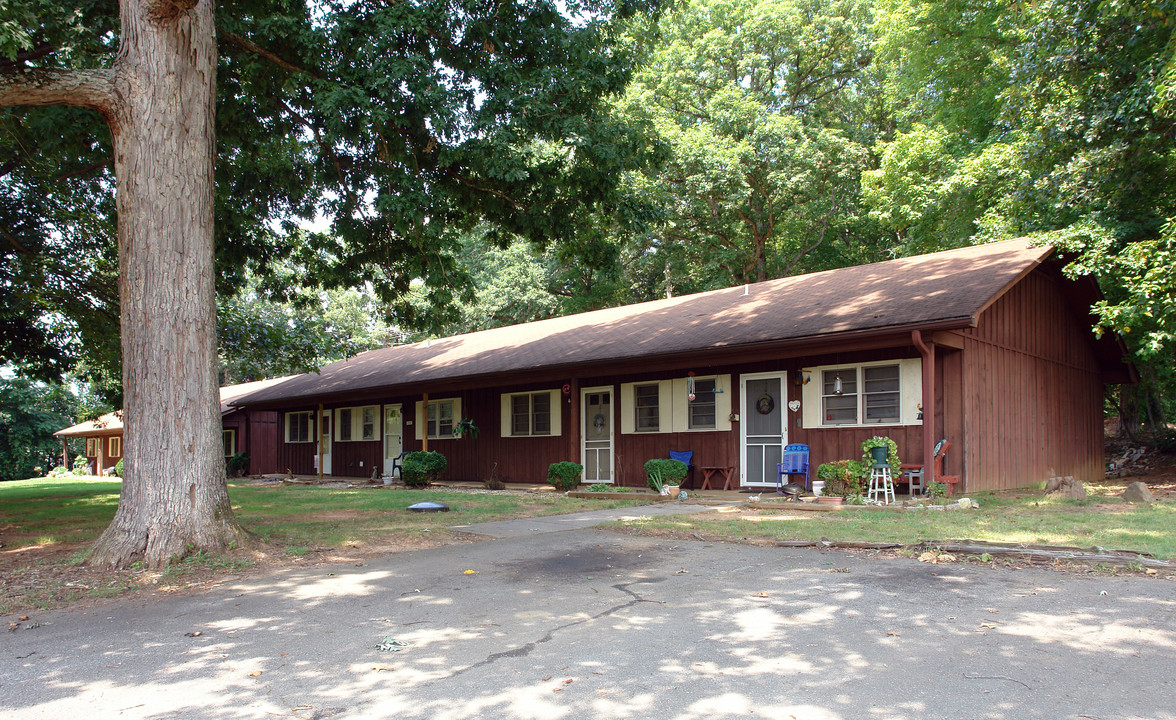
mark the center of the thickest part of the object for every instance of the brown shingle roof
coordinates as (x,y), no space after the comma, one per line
(944,289)
(112,424)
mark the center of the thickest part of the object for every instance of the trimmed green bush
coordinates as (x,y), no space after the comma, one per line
(663,471)
(422,468)
(118,467)
(564,475)
(237,465)
(59,471)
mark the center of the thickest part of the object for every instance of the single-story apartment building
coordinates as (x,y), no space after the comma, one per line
(990,347)
(243,431)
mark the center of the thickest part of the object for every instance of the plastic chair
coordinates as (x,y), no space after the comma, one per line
(794,461)
(687,457)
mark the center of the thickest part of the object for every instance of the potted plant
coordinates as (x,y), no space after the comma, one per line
(564,475)
(872,452)
(665,475)
(843,479)
(465,427)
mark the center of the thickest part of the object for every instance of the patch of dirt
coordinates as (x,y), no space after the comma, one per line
(40,577)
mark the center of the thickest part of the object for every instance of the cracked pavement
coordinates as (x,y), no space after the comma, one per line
(586,623)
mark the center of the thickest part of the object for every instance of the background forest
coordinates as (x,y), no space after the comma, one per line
(737,141)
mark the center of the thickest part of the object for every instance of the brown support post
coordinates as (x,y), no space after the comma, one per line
(425,419)
(927,351)
(573,404)
(318,429)
(65,453)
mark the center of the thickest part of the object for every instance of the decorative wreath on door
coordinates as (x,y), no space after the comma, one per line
(598,421)
(765,404)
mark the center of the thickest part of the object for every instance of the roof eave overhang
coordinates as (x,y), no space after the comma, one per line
(894,336)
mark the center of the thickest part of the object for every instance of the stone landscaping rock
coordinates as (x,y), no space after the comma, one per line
(1065,487)
(1138,492)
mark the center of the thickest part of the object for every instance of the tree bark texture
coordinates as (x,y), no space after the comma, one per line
(159,101)
(174,496)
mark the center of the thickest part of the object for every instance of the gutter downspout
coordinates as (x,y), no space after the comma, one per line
(927,351)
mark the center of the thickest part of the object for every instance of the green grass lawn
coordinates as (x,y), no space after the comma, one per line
(48,511)
(48,525)
(1100,520)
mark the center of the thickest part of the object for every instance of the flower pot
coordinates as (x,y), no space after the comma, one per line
(818,487)
(673,490)
(878,454)
(831,500)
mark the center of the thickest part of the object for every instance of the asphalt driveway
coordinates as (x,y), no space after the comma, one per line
(584,623)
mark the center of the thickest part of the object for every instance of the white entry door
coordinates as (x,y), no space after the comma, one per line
(325,441)
(597,431)
(764,430)
(393,436)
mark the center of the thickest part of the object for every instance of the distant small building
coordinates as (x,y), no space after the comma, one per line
(990,347)
(252,432)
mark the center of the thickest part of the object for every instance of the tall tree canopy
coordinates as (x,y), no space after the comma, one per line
(404,124)
(765,108)
(1052,119)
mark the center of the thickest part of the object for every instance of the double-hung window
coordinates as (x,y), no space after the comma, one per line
(356,423)
(701,415)
(298,427)
(873,394)
(229,440)
(530,413)
(646,408)
(114,447)
(441,418)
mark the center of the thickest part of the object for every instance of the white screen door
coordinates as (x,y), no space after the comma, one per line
(763,429)
(597,431)
(393,435)
(325,441)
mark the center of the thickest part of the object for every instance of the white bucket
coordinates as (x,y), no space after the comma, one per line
(818,487)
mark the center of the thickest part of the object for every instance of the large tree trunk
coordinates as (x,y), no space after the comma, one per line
(160,102)
(174,497)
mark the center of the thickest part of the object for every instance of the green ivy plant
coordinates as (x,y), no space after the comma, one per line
(891,454)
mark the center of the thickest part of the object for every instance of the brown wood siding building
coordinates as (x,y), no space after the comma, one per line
(988,347)
(1031,394)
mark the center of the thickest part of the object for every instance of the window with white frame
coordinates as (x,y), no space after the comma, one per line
(356,423)
(646,408)
(530,413)
(864,394)
(91,447)
(701,413)
(440,418)
(229,440)
(299,426)
(114,447)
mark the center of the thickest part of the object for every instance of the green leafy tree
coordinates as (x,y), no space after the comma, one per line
(1049,119)
(30,412)
(404,124)
(261,336)
(762,104)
